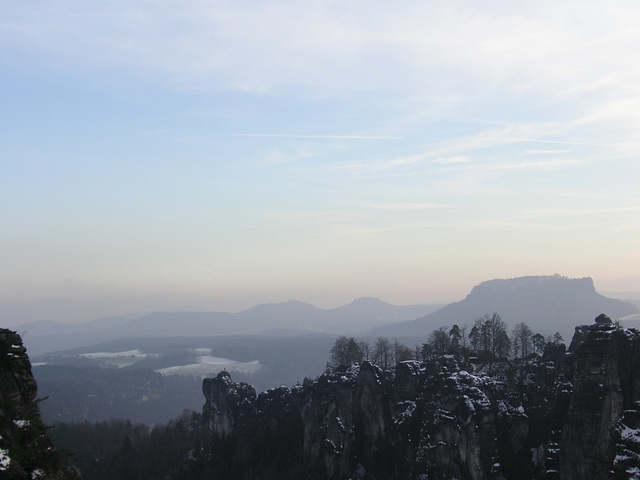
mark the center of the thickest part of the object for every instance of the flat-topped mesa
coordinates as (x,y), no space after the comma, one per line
(550,303)
(554,285)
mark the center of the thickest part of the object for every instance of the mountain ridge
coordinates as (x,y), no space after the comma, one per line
(45,337)
(547,303)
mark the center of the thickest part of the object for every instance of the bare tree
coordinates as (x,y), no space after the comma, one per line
(382,353)
(401,352)
(464,340)
(440,341)
(522,344)
(426,352)
(347,350)
(499,339)
(489,334)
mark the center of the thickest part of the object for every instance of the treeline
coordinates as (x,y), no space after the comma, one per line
(120,449)
(97,394)
(487,339)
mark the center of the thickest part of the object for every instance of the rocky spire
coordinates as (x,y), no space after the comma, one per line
(25,450)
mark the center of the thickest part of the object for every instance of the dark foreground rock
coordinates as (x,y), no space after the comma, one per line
(568,416)
(25,450)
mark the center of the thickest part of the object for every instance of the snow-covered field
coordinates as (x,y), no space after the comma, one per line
(129,354)
(208,365)
(119,359)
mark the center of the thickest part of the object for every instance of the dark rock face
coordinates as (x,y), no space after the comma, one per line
(25,450)
(603,319)
(228,405)
(604,365)
(568,416)
(355,423)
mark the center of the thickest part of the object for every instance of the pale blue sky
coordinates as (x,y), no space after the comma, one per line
(227,153)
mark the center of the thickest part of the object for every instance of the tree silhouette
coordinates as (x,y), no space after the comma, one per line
(346,351)
(522,335)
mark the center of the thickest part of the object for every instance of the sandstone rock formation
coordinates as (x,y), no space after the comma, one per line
(603,364)
(571,416)
(25,450)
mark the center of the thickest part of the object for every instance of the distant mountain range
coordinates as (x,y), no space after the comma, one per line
(547,303)
(279,319)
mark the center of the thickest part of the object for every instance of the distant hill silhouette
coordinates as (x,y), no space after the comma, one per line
(359,315)
(547,303)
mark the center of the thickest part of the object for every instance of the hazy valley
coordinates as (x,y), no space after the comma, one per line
(296,403)
(150,370)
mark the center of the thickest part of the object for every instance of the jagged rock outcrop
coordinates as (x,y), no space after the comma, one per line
(355,423)
(25,450)
(604,366)
(567,416)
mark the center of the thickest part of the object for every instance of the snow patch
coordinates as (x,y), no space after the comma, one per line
(629,434)
(37,473)
(407,413)
(208,365)
(5,460)
(128,354)
(119,359)
(209,360)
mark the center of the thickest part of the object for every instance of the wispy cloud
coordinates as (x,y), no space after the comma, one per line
(581,212)
(339,137)
(458,160)
(400,206)
(564,142)
(528,47)
(581,194)
(316,214)
(279,157)
(402,161)
(543,152)
(548,164)
(464,153)
(374,116)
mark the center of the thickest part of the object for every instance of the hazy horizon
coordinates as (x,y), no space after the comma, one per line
(80,310)
(250,152)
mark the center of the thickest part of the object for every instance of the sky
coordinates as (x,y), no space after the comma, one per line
(230,153)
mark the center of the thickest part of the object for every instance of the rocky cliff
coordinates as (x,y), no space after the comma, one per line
(25,450)
(599,432)
(569,416)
